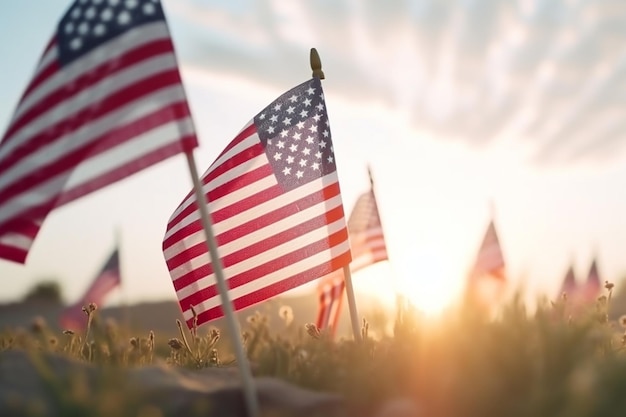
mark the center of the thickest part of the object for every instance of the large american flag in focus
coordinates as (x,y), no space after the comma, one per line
(106,101)
(367,243)
(274,199)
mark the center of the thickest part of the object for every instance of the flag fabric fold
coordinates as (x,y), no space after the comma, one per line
(109,277)
(367,243)
(274,199)
(593,286)
(570,285)
(106,101)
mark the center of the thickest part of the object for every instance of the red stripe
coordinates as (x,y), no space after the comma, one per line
(321,314)
(259,222)
(241,136)
(234,184)
(247,251)
(12,253)
(274,289)
(275,264)
(89,79)
(115,137)
(86,117)
(42,74)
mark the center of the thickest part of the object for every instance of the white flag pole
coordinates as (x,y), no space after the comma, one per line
(316,66)
(252,404)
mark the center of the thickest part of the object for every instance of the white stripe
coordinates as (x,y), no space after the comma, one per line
(252,238)
(73,140)
(107,52)
(242,146)
(128,151)
(120,154)
(16,240)
(319,258)
(91,96)
(258,210)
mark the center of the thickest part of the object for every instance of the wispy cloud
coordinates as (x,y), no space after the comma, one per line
(547,73)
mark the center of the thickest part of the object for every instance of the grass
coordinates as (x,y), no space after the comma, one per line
(555,361)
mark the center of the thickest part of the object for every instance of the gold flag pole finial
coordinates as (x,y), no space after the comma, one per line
(316,64)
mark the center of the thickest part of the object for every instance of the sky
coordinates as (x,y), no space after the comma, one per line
(465,110)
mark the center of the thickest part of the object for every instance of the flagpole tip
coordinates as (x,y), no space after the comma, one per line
(316,64)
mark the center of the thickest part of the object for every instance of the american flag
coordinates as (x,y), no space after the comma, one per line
(368,247)
(487,278)
(105,102)
(276,207)
(593,285)
(73,317)
(569,286)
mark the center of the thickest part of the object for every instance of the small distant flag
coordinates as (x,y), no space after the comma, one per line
(569,286)
(367,243)
(73,317)
(487,278)
(105,102)
(593,285)
(274,198)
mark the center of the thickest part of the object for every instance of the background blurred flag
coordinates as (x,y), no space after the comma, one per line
(487,279)
(367,243)
(569,286)
(106,101)
(276,207)
(73,318)
(593,285)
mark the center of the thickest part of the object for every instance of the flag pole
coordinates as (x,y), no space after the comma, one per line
(316,66)
(245,372)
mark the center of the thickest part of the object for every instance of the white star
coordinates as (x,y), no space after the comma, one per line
(280,144)
(322,96)
(269,141)
(310,91)
(83,28)
(131,4)
(307,102)
(76,13)
(277,106)
(323,144)
(106,15)
(100,29)
(317,117)
(270,130)
(149,8)
(320,107)
(90,13)
(306,151)
(304,113)
(296,136)
(309,140)
(318,155)
(303,162)
(287,121)
(123,18)
(287,170)
(114,2)
(284,133)
(69,27)
(76,43)
(313,128)
(293,147)
(300,125)
(290,109)
(315,166)
(277,156)
(290,159)
(299,174)
(327,122)
(293,98)
(274,118)
(325,133)
(330,159)
(261,116)
(96,1)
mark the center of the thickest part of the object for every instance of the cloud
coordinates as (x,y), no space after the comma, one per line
(546,73)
